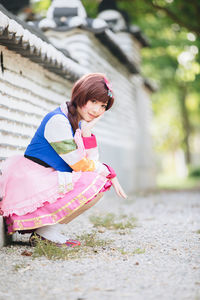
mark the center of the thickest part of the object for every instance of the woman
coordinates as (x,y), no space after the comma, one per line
(60,176)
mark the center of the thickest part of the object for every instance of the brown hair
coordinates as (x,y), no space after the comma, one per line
(88,87)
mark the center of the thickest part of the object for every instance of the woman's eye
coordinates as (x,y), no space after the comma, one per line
(93,101)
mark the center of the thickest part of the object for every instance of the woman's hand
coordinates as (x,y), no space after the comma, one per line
(86,127)
(118,189)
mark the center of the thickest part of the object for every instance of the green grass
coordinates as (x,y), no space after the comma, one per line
(17,267)
(138,251)
(51,251)
(130,253)
(111,222)
(89,242)
(123,252)
(174,182)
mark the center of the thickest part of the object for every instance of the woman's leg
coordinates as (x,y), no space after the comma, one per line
(81,209)
(52,232)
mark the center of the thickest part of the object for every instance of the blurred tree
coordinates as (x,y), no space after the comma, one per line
(40,7)
(182,12)
(173,61)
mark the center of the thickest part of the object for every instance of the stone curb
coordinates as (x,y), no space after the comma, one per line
(4,239)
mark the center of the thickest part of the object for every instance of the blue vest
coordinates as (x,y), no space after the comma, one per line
(40,148)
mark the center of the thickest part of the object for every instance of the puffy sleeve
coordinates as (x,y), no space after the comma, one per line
(91,148)
(79,154)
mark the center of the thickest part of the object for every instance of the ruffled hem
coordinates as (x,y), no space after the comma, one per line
(50,197)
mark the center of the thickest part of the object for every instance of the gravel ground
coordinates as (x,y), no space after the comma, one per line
(167,236)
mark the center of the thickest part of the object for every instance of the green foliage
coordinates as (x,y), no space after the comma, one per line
(91,240)
(91,7)
(41,6)
(194,172)
(17,267)
(110,222)
(139,251)
(181,12)
(170,182)
(136,251)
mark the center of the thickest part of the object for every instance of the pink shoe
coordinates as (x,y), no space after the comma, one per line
(72,243)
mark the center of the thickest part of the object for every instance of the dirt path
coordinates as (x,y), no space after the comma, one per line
(159,258)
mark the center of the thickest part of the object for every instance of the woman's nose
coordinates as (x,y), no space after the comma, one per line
(96,109)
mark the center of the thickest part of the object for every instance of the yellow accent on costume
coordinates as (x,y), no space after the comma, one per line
(84,165)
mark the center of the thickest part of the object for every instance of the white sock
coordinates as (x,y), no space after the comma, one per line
(52,233)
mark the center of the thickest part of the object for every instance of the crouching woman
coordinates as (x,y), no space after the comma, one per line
(60,175)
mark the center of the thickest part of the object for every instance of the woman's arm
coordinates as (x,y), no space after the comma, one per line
(118,189)
(90,143)
(71,149)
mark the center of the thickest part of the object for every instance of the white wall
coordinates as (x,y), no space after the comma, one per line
(145,163)
(27,93)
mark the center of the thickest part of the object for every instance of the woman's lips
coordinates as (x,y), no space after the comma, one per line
(92,116)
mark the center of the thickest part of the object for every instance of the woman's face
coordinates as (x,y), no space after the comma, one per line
(91,110)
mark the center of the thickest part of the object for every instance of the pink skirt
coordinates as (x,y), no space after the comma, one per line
(32,197)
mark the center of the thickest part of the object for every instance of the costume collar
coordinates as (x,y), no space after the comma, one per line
(64,108)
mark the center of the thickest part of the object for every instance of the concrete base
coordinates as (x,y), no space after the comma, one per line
(4,239)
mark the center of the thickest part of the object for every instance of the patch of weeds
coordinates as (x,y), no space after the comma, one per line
(103,221)
(198,231)
(138,251)
(128,223)
(51,251)
(17,267)
(123,252)
(10,249)
(91,240)
(110,222)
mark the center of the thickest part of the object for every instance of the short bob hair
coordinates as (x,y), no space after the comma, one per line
(92,86)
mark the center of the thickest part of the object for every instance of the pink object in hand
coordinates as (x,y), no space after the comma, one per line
(112,172)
